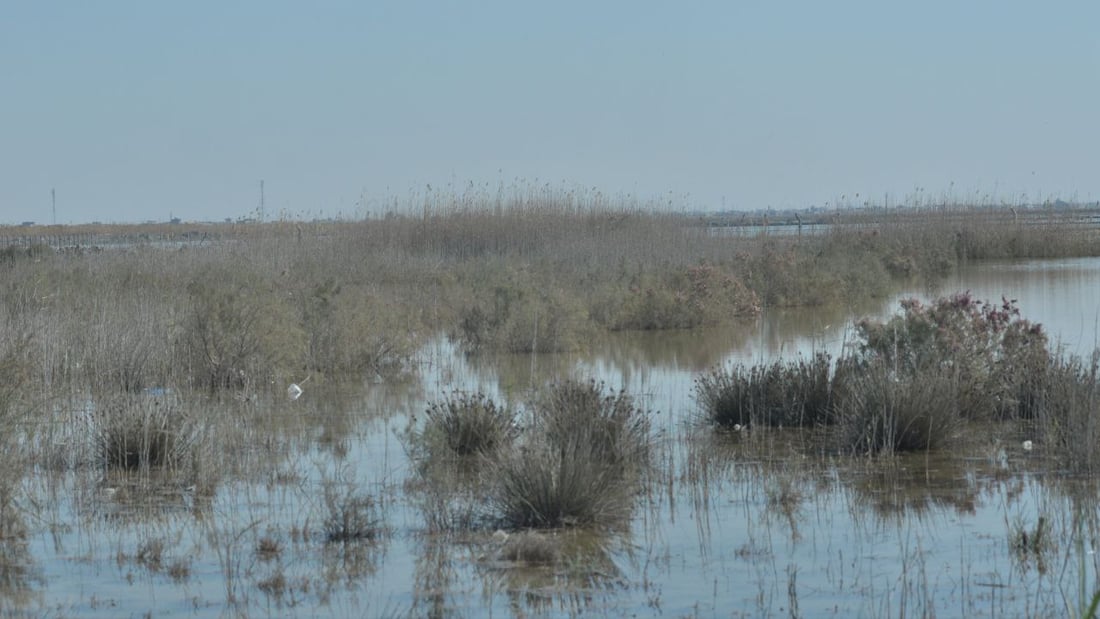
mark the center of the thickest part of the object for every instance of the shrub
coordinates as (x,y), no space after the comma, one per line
(517,309)
(683,298)
(517,316)
(992,351)
(782,394)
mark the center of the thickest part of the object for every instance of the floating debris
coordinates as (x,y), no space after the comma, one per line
(294,391)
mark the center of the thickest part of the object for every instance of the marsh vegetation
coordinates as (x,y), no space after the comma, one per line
(565,405)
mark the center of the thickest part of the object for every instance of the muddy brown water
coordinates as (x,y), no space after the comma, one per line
(748,526)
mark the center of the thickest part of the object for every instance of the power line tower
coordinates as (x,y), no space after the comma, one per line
(261,200)
(53,204)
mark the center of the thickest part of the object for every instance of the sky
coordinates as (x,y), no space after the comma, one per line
(137,111)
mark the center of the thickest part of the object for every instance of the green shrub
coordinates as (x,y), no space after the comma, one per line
(680,298)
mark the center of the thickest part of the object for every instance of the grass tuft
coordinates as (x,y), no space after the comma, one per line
(469,424)
(579,461)
(884,412)
(351,516)
(781,394)
(139,431)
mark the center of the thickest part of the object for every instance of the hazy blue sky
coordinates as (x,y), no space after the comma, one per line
(138,110)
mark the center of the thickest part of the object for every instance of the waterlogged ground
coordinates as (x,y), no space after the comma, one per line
(756,524)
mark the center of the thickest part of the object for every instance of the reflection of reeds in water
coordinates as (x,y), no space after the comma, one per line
(542,570)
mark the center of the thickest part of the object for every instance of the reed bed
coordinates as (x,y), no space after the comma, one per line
(242,306)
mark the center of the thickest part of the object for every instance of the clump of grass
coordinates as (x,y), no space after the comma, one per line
(781,394)
(268,548)
(574,410)
(469,424)
(350,516)
(459,436)
(138,432)
(1065,399)
(543,486)
(150,554)
(882,411)
(579,462)
(274,585)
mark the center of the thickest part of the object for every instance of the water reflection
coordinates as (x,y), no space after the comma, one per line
(571,572)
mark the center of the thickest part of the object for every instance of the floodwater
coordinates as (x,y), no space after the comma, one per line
(728,527)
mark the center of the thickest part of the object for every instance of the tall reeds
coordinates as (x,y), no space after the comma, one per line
(519,269)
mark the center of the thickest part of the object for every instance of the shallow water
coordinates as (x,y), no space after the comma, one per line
(729,527)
